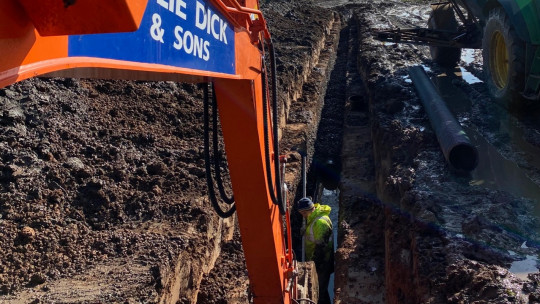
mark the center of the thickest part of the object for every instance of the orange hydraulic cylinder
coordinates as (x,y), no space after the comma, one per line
(261,225)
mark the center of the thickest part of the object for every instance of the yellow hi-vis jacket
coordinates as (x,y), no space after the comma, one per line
(318,235)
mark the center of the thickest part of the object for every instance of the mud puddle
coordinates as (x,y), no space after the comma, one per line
(524,266)
(498,173)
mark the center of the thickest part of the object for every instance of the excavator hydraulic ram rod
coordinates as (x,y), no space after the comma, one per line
(466,36)
(176,40)
(424,36)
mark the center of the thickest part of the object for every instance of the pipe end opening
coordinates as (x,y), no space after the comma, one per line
(463,157)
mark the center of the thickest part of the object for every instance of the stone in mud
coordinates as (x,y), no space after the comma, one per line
(27,233)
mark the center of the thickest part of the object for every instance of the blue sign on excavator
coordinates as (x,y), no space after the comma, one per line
(188,34)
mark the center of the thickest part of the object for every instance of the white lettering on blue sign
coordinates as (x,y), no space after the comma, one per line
(181,33)
(192,44)
(155,30)
(204,19)
(169,4)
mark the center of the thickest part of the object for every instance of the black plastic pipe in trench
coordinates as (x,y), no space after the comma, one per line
(454,142)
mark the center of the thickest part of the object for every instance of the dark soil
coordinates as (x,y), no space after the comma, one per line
(96,174)
(85,164)
(228,282)
(453,237)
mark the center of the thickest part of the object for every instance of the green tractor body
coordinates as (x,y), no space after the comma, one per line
(523,14)
(507,31)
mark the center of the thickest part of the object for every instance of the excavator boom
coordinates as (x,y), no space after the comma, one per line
(219,41)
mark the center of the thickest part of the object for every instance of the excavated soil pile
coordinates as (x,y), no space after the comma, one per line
(102,192)
(97,175)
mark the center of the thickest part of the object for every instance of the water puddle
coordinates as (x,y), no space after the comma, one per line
(522,268)
(498,173)
(467,55)
(426,68)
(516,132)
(525,266)
(406,78)
(468,76)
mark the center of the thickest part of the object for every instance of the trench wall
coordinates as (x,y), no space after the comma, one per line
(413,249)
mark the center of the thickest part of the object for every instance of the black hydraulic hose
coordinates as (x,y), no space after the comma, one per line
(209,180)
(276,196)
(275,109)
(217,171)
(266,139)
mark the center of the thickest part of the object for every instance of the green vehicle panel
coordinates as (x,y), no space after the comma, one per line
(524,15)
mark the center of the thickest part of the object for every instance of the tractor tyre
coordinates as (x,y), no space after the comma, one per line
(442,18)
(504,60)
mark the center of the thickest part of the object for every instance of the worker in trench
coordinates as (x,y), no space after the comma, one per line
(319,244)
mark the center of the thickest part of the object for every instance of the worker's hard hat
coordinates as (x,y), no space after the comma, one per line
(305,204)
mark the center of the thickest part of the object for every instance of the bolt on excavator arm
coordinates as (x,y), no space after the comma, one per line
(215,41)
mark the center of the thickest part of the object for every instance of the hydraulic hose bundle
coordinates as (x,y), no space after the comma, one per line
(274,185)
(215,144)
(276,196)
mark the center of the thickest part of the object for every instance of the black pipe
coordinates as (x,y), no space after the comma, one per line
(454,142)
(304,176)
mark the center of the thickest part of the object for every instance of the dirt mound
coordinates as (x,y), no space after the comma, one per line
(86,165)
(102,191)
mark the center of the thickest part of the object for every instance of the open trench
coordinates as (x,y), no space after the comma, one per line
(342,175)
(325,114)
(409,229)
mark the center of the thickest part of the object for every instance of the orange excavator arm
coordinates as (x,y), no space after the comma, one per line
(219,41)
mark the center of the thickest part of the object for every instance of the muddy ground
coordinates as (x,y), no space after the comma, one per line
(447,237)
(102,198)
